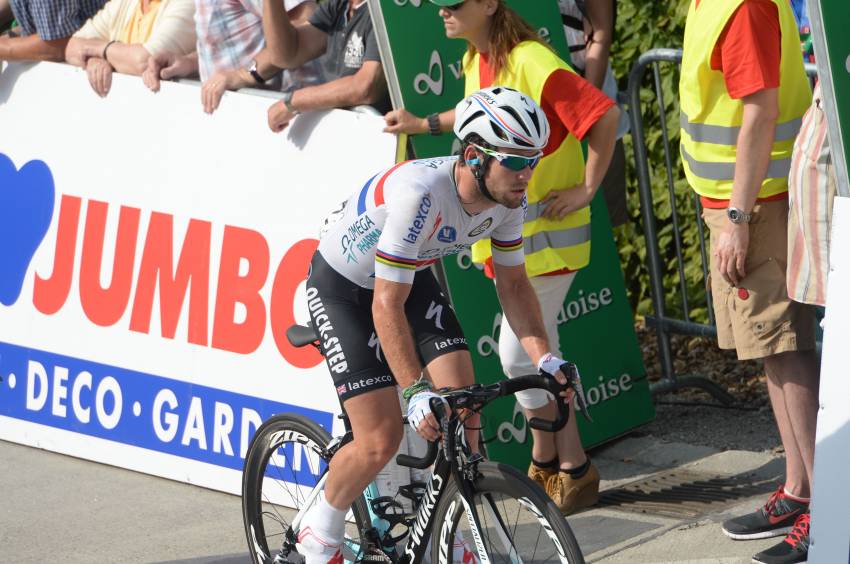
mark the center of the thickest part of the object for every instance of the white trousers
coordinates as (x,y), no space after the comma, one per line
(551,292)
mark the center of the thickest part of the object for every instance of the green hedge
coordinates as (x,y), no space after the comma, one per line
(641,26)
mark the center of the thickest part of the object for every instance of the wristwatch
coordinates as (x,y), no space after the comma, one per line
(255,74)
(287,101)
(738,216)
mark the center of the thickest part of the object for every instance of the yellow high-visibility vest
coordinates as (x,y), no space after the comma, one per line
(710,120)
(550,245)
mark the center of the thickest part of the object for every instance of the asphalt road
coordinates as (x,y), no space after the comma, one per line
(58,508)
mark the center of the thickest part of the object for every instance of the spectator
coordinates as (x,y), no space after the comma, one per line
(557,227)
(743,90)
(45,28)
(126,33)
(6,15)
(589,28)
(341,30)
(231,52)
(811,192)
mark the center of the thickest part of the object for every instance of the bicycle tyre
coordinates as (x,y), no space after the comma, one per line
(258,509)
(510,486)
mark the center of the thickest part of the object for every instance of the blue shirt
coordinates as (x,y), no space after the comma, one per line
(53,19)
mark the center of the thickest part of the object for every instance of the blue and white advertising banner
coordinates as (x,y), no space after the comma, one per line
(152,258)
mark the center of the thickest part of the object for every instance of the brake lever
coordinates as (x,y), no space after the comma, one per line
(574,381)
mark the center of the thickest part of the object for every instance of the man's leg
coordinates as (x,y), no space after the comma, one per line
(454,370)
(793,380)
(377,433)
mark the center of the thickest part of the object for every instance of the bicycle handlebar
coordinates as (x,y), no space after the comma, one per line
(431,454)
(479,394)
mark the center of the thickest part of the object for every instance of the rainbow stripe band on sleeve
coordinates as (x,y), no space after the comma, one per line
(507,246)
(396,261)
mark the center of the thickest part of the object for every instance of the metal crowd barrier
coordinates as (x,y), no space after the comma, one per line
(664,324)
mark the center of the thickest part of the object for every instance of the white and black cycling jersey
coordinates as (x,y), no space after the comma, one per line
(407,217)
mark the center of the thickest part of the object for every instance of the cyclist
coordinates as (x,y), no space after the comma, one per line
(381,317)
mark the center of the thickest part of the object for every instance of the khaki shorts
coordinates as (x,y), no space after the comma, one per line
(757,318)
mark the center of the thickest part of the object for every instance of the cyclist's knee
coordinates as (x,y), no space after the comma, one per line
(534,398)
(379,446)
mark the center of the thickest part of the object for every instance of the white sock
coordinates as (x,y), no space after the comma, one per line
(326,521)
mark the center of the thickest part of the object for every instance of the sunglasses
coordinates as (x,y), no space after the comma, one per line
(454,7)
(512,162)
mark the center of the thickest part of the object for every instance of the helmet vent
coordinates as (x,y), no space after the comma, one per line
(473,117)
(513,113)
(535,119)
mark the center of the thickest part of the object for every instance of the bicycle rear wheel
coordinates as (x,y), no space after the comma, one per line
(286,459)
(519,523)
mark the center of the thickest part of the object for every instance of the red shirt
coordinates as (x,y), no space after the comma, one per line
(571,104)
(747,53)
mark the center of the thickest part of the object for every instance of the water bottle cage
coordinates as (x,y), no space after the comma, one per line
(393,513)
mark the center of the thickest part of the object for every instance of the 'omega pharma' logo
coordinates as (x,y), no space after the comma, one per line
(481,228)
(447,234)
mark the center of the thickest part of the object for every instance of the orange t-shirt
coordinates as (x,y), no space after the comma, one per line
(747,53)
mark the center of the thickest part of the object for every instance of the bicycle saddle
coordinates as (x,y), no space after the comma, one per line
(301,335)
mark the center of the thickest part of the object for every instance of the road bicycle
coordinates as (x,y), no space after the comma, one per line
(494,512)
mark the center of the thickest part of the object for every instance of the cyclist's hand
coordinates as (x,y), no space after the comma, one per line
(551,365)
(420,416)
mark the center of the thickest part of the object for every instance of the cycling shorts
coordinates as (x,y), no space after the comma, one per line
(341,312)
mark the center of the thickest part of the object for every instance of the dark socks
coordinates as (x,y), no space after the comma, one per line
(551,465)
(578,471)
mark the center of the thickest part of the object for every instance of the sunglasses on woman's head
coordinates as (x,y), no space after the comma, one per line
(512,162)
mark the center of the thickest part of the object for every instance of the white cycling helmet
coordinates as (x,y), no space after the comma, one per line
(503,117)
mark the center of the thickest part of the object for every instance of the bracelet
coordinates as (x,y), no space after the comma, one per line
(103,55)
(434,124)
(418,386)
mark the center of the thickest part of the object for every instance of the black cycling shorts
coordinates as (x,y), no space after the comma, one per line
(341,312)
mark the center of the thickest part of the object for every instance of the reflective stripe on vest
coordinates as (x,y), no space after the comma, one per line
(549,245)
(721,135)
(726,171)
(711,120)
(557,239)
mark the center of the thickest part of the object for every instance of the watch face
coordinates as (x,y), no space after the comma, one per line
(734,215)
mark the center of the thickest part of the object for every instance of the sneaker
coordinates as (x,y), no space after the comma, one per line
(793,549)
(316,550)
(571,494)
(774,519)
(540,476)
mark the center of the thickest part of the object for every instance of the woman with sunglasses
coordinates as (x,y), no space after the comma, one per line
(502,49)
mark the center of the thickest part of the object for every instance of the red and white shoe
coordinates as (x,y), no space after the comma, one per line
(462,552)
(317,550)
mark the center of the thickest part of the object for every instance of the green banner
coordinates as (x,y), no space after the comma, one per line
(832,55)
(595,322)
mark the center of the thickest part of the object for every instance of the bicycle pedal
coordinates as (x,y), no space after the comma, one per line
(290,558)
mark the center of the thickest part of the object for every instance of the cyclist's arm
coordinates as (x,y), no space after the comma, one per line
(394,331)
(520,305)
(411,217)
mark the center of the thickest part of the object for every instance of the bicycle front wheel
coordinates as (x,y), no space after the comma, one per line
(285,461)
(519,522)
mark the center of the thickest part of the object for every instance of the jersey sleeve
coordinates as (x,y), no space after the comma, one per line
(576,102)
(748,51)
(410,220)
(506,240)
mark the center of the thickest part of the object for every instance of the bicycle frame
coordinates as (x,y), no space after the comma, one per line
(448,465)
